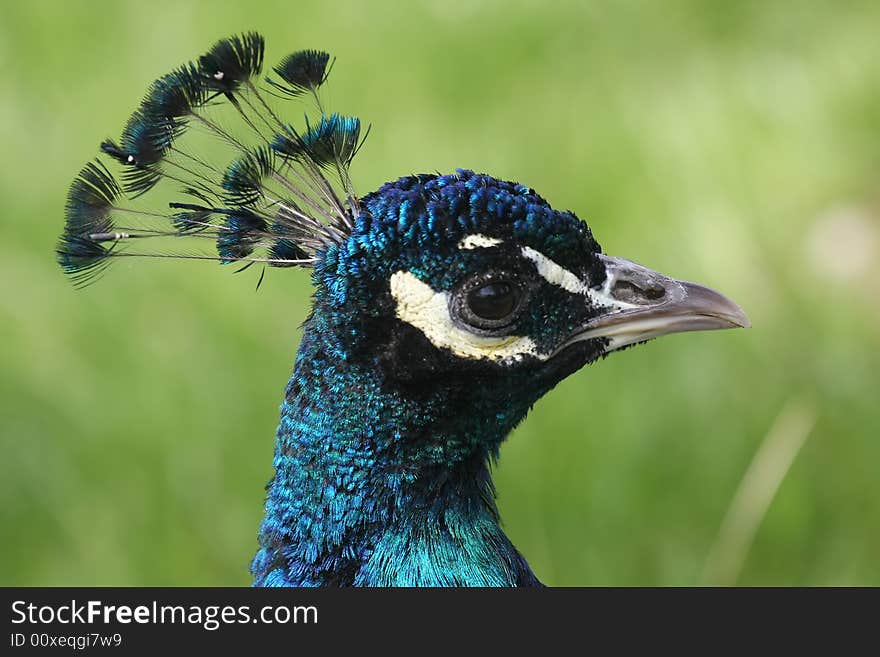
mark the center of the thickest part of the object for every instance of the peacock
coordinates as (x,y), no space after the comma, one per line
(444,307)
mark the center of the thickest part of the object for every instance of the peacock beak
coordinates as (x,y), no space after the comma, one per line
(645,304)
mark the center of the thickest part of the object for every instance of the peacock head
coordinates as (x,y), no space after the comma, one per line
(464,278)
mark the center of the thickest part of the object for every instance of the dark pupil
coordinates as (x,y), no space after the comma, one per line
(492,301)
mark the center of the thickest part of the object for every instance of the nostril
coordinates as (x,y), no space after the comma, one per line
(654,292)
(629,292)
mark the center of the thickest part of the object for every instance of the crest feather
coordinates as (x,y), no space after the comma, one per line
(282,195)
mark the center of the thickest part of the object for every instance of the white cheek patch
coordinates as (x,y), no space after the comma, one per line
(477,241)
(561,277)
(428,311)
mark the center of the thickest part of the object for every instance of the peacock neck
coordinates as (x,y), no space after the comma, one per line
(381,485)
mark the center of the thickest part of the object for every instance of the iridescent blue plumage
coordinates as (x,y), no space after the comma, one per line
(375,483)
(242,235)
(301,72)
(445,306)
(89,202)
(379,504)
(244,179)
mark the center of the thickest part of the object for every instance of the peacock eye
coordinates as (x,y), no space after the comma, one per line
(493,301)
(489,304)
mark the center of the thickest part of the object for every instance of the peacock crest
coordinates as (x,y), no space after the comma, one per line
(283,194)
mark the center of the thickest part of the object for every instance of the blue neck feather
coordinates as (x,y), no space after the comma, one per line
(375,485)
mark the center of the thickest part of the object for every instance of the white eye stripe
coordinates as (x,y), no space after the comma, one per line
(478,241)
(560,276)
(420,306)
(553,273)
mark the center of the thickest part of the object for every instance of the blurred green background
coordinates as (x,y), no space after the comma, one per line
(735,144)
